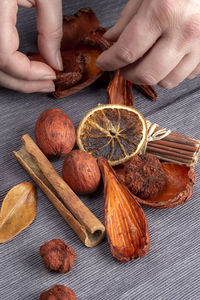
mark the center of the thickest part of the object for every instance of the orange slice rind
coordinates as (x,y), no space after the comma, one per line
(115,132)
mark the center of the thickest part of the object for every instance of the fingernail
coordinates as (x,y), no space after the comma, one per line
(59,61)
(47,90)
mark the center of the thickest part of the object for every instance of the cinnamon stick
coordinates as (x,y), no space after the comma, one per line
(175,148)
(89,229)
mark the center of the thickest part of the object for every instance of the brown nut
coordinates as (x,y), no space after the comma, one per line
(58,292)
(81,172)
(57,256)
(55,133)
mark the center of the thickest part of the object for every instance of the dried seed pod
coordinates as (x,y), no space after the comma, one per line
(55,133)
(144,175)
(178,189)
(57,256)
(77,26)
(18,210)
(81,172)
(120,91)
(125,221)
(58,292)
(147,90)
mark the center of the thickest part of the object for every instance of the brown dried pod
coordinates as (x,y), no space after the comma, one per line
(81,172)
(125,221)
(57,256)
(73,67)
(77,26)
(90,72)
(147,90)
(58,292)
(96,38)
(120,91)
(178,188)
(55,133)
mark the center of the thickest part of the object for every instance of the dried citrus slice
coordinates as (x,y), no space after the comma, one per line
(115,132)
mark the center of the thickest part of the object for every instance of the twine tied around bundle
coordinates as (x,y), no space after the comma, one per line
(154,136)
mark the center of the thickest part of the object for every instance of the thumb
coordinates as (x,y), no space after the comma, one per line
(126,15)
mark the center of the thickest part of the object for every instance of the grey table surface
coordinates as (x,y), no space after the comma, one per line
(171,269)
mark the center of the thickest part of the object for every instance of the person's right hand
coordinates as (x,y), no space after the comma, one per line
(17,72)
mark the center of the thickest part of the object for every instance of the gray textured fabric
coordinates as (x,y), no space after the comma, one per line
(171,270)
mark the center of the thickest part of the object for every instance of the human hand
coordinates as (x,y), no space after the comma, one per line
(156,42)
(16,70)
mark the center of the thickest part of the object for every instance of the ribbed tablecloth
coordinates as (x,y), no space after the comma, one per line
(171,269)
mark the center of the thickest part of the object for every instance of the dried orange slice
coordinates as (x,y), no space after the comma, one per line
(115,132)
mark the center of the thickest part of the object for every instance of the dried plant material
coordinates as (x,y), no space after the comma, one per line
(58,292)
(73,67)
(178,188)
(77,26)
(144,175)
(18,210)
(120,91)
(55,133)
(148,90)
(173,147)
(116,132)
(84,223)
(81,172)
(125,221)
(96,38)
(57,256)
(90,72)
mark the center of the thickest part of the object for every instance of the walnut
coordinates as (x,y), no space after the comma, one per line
(58,292)
(57,256)
(144,175)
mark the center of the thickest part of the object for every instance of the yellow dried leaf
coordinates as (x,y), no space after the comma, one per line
(18,210)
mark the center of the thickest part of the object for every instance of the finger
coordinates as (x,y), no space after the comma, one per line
(125,16)
(181,71)
(11,61)
(26,3)
(25,86)
(49,24)
(194,73)
(157,64)
(136,39)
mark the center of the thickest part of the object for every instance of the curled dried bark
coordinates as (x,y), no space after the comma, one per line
(120,90)
(125,221)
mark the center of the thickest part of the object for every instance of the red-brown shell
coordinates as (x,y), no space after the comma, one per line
(178,190)
(55,133)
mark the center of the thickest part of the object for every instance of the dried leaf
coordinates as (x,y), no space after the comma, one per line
(125,221)
(18,210)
